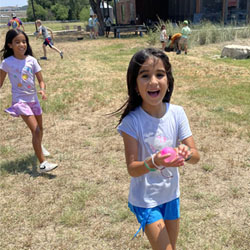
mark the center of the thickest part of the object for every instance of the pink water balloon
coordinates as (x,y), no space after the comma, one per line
(171,151)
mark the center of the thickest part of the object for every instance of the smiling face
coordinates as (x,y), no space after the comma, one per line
(19,46)
(152,84)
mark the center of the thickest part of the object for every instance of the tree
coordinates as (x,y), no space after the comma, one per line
(84,14)
(60,11)
(95,5)
(41,13)
(65,9)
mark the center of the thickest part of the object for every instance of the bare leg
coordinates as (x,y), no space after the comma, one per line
(185,47)
(158,236)
(163,46)
(56,49)
(173,231)
(44,51)
(179,46)
(35,125)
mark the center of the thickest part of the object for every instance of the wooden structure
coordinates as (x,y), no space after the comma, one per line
(136,29)
(150,11)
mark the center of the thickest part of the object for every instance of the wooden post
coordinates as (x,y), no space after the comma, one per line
(198,6)
(224,11)
(248,12)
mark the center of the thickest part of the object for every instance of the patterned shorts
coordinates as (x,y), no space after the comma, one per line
(48,41)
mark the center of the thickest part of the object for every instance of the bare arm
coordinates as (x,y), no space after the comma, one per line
(193,152)
(39,34)
(137,168)
(41,84)
(2,77)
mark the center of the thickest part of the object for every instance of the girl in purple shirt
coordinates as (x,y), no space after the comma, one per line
(21,67)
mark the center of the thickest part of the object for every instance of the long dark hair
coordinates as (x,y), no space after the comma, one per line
(10,35)
(134,100)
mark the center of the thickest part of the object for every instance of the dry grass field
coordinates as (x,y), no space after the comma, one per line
(82,205)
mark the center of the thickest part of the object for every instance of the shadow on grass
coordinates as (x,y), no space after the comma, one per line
(26,165)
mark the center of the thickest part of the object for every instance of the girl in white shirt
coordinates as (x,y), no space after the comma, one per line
(163,36)
(148,124)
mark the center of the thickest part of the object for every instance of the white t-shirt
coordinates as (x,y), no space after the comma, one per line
(153,134)
(163,36)
(22,77)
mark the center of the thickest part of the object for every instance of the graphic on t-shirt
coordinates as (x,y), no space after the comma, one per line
(14,24)
(157,142)
(28,69)
(19,85)
(25,77)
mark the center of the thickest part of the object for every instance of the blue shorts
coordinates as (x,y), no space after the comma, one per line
(166,211)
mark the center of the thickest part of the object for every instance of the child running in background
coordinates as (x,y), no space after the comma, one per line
(148,124)
(22,67)
(42,30)
(163,36)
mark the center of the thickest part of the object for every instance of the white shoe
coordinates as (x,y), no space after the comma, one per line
(46,166)
(45,151)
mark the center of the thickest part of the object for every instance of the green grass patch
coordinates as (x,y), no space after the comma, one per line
(239,63)
(73,213)
(229,103)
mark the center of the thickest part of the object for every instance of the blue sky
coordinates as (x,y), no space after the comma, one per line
(19,3)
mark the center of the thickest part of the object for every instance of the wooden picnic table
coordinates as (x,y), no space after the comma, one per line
(118,29)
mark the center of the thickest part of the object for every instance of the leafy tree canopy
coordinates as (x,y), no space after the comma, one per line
(56,9)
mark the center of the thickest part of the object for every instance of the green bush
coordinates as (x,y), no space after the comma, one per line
(60,11)
(152,37)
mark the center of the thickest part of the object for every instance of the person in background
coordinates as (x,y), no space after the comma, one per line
(185,32)
(149,123)
(91,26)
(42,30)
(163,36)
(22,69)
(15,23)
(108,23)
(96,26)
(173,42)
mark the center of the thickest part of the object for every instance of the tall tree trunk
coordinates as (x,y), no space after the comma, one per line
(95,5)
